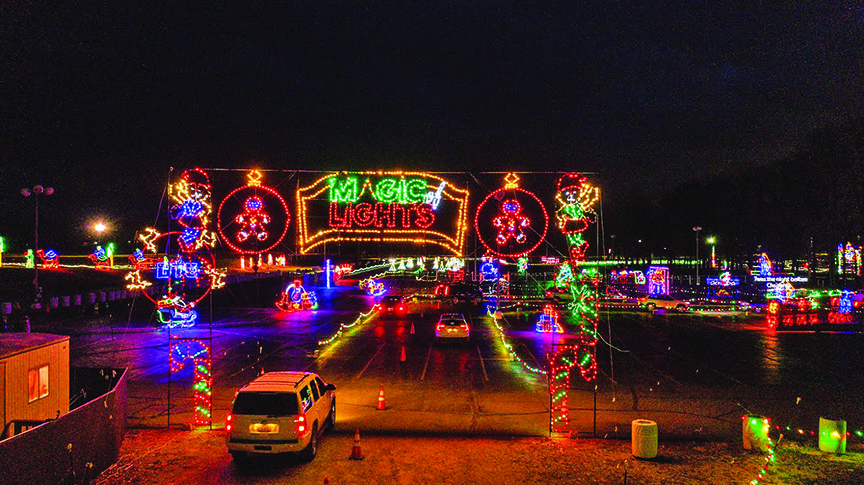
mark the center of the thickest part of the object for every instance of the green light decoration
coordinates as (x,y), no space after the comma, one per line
(2,247)
(29,261)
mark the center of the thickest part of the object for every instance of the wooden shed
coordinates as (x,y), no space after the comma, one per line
(34,379)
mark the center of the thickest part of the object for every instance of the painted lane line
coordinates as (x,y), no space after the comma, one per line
(426,364)
(370,361)
(482,365)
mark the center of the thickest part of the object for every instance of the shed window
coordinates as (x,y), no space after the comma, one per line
(37,380)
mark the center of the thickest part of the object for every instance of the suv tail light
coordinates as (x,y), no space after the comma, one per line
(464,326)
(228,423)
(440,326)
(300,422)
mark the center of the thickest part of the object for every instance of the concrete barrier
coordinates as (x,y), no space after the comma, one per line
(64,301)
(102,297)
(55,302)
(6,307)
(91,298)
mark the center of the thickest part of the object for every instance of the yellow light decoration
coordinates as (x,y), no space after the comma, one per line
(402,189)
(148,238)
(135,281)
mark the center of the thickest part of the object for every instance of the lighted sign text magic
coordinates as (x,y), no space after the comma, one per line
(389,207)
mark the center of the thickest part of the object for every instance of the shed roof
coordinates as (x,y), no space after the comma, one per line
(16,343)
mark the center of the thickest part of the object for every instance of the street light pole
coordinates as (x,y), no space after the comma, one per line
(36,191)
(697,229)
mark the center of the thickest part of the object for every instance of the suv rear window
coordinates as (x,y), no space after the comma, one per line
(266,403)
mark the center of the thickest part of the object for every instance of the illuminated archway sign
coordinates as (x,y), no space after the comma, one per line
(386,207)
(511,222)
(254,218)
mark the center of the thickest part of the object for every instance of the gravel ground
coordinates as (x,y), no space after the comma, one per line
(151,456)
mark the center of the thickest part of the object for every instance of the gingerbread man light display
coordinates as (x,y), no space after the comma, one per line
(511,222)
(252,220)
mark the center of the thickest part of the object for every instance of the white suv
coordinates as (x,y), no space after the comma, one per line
(280,412)
(452,326)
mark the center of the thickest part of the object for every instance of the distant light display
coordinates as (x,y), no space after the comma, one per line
(766,267)
(372,287)
(50,259)
(192,209)
(658,280)
(725,279)
(547,322)
(522,266)
(254,218)
(102,258)
(503,220)
(29,259)
(382,207)
(295,297)
(490,269)
(848,259)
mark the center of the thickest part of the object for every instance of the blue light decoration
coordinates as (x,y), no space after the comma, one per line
(295,297)
(724,280)
(328,270)
(547,322)
(178,269)
(766,267)
(490,269)
(845,303)
(658,280)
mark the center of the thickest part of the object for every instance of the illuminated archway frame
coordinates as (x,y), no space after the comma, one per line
(455,243)
(254,185)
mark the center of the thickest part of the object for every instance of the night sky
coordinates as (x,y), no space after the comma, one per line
(99,99)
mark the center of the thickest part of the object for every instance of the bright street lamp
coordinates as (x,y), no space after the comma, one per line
(36,192)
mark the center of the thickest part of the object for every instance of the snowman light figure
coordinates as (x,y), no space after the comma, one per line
(253,220)
(511,222)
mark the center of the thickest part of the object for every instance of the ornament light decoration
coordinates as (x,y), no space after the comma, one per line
(501,222)
(248,215)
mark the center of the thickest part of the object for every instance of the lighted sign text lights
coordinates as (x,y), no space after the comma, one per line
(382,206)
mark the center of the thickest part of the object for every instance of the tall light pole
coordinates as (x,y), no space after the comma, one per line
(697,229)
(36,192)
(712,241)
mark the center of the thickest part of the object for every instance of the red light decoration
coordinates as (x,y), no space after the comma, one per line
(50,260)
(502,224)
(198,352)
(577,352)
(247,216)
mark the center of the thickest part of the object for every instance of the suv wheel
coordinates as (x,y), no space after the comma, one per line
(331,419)
(312,448)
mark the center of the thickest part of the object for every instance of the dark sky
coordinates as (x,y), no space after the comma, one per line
(99,99)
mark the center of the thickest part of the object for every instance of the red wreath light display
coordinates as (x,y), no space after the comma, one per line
(249,229)
(503,224)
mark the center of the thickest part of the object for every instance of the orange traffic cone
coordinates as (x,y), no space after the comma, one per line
(412,328)
(356,452)
(381,406)
(402,357)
